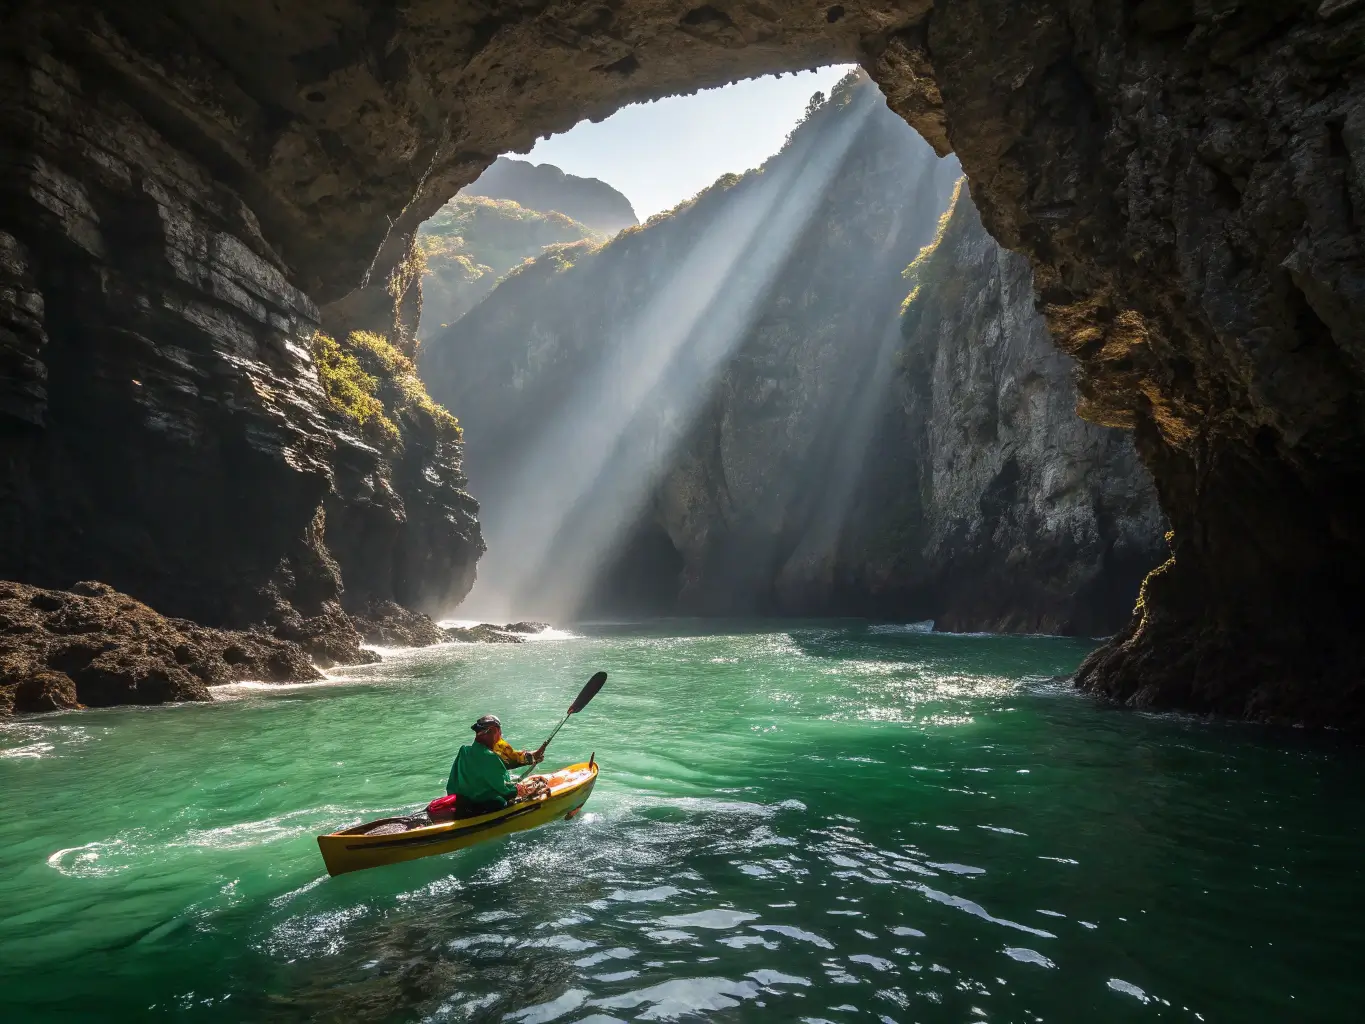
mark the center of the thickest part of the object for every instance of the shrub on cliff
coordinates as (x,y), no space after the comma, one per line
(375,387)
(914,273)
(350,390)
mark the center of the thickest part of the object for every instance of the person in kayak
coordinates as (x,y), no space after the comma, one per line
(479,781)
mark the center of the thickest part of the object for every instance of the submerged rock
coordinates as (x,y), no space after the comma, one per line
(92,646)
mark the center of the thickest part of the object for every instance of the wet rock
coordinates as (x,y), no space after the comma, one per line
(386,624)
(526,627)
(95,647)
(329,638)
(483,633)
(46,691)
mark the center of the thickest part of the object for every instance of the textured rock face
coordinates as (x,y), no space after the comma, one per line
(1018,516)
(161,420)
(1188,182)
(845,458)
(1185,179)
(545,187)
(399,523)
(94,647)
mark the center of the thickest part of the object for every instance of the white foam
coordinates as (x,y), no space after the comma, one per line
(1028,956)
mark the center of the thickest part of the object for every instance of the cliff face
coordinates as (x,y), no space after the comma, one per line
(1000,509)
(590,202)
(472,242)
(162,423)
(399,523)
(1185,180)
(842,458)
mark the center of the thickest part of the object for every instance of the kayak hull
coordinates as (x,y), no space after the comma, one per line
(352,850)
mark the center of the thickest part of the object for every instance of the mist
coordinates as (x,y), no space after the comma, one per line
(552,519)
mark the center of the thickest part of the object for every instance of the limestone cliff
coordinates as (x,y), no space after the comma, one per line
(590,202)
(845,457)
(1017,515)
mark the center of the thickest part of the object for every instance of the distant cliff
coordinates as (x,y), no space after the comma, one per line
(985,502)
(844,456)
(472,242)
(545,187)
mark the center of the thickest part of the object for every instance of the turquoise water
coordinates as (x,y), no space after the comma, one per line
(794,822)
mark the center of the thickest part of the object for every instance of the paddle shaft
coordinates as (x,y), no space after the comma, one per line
(580,702)
(531,768)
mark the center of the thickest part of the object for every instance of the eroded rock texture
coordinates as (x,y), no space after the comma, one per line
(1188,181)
(1024,517)
(161,420)
(1185,178)
(94,647)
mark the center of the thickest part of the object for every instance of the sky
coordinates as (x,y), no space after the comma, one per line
(661,153)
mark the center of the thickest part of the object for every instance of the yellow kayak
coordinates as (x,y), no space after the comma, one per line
(390,840)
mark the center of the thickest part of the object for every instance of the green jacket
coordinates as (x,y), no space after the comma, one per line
(478,774)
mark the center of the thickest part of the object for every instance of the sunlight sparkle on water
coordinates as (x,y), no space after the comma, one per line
(964,844)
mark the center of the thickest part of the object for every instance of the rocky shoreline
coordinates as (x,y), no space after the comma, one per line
(92,646)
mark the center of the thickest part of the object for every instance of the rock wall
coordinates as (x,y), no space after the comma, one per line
(162,424)
(1184,178)
(1000,508)
(1188,181)
(846,458)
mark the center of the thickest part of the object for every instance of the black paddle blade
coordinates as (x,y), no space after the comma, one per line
(588,693)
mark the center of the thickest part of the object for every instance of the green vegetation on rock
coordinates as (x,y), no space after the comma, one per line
(375,388)
(472,242)
(914,272)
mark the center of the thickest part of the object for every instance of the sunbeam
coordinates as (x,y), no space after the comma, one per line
(580,484)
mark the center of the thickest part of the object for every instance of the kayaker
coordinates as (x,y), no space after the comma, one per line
(478,778)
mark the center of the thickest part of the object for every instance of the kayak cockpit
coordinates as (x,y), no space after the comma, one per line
(408,837)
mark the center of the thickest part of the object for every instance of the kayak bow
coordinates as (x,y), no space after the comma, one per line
(391,840)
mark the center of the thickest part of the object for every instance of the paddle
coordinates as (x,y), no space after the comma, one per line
(580,702)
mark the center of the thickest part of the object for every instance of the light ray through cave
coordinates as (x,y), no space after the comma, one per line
(552,522)
(793,537)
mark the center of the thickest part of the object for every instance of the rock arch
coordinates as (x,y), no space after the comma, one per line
(183,181)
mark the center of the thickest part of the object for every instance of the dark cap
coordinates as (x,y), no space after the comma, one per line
(487,722)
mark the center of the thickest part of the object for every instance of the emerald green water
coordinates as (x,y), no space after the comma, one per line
(794,822)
